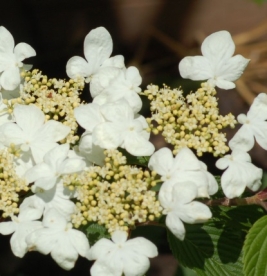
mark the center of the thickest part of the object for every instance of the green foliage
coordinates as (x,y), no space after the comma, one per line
(135,160)
(95,232)
(215,248)
(255,249)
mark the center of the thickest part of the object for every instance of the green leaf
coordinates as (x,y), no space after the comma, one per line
(215,248)
(95,232)
(255,249)
(135,160)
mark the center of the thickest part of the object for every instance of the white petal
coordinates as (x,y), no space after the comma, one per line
(184,192)
(42,240)
(186,160)
(195,68)
(232,184)
(88,116)
(23,51)
(38,171)
(6,41)
(108,135)
(56,156)
(98,42)
(46,183)
(64,254)
(29,117)
(161,161)
(260,133)
(233,68)
(30,209)
(136,145)
(133,75)
(102,79)
(223,162)
(97,250)
(79,241)
(116,61)
(218,46)
(7,227)
(101,269)
(224,84)
(194,212)
(10,78)
(72,165)
(258,109)
(12,133)
(134,264)
(243,139)
(53,219)
(119,236)
(117,111)
(143,247)
(78,67)
(175,225)
(52,131)
(18,240)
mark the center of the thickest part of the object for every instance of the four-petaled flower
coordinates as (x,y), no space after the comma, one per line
(217,65)
(11,59)
(121,256)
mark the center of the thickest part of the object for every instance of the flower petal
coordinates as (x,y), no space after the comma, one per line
(6,41)
(7,227)
(10,78)
(23,51)
(29,118)
(108,135)
(88,116)
(98,43)
(161,161)
(194,212)
(78,67)
(175,225)
(195,68)
(137,145)
(218,46)
(243,139)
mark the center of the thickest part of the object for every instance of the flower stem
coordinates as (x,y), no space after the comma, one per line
(257,199)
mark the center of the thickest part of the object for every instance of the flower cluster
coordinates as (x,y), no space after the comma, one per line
(56,98)
(11,185)
(115,195)
(75,181)
(192,121)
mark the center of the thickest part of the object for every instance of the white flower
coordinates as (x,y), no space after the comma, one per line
(178,205)
(32,132)
(124,86)
(239,174)
(97,50)
(20,226)
(253,125)
(217,65)
(113,125)
(123,129)
(57,198)
(11,59)
(47,174)
(184,167)
(58,238)
(119,256)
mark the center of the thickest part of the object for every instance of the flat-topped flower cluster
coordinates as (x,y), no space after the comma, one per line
(54,183)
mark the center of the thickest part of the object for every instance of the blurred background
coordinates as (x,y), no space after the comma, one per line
(153,35)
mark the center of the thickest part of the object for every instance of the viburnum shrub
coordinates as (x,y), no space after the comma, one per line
(67,194)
